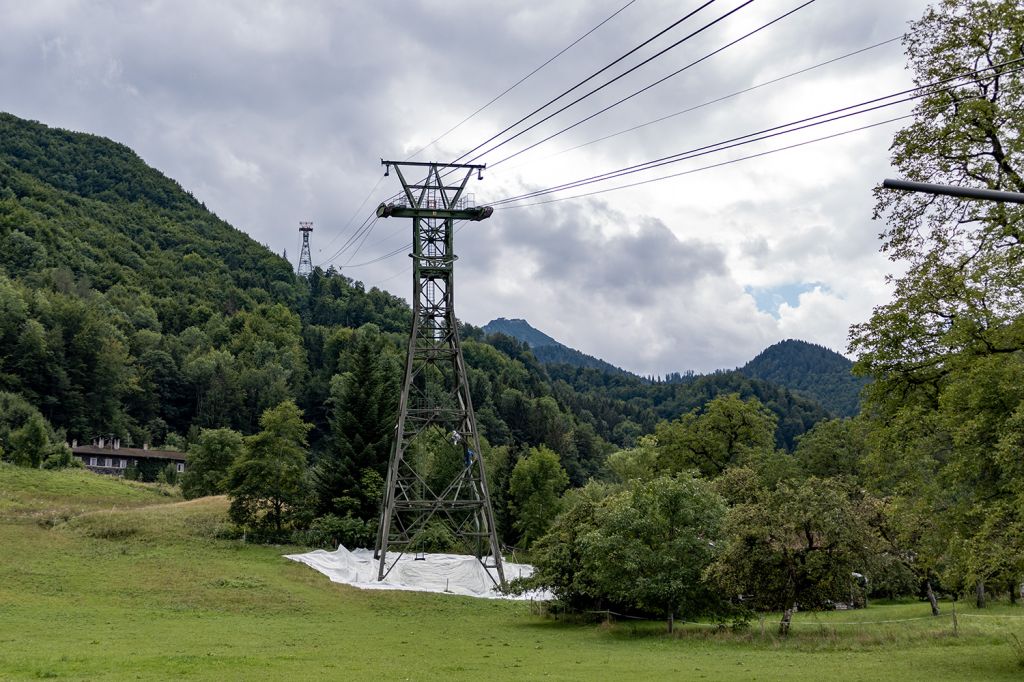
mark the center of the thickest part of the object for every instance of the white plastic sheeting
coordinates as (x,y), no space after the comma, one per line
(452,573)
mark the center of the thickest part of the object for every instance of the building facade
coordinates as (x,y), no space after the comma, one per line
(106,456)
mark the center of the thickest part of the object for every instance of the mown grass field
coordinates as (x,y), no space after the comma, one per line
(106,580)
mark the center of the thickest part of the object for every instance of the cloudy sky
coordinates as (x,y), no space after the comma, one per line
(276,112)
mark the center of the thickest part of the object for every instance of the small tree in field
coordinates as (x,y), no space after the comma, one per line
(267,483)
(643,549)
(652,544)
(798,544)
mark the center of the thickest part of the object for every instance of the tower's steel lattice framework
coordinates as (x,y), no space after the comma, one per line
(305,261)
(436,430)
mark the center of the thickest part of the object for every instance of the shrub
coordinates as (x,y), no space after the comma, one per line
(329,531)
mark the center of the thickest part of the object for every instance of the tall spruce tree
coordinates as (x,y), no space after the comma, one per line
(361,415)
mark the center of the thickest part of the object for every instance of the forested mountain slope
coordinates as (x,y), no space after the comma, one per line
(130,309)
(633,404)
(813,370)
(92,208)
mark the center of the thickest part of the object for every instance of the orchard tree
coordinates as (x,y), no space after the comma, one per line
(651,545)
(798,544)
(644,548)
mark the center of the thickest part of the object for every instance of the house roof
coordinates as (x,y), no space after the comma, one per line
(129,452)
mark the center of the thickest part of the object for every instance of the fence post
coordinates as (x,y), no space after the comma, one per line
(956,625)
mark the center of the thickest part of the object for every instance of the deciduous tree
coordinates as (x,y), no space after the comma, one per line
(267,483)
(798,544)
(537,483)
(209,460)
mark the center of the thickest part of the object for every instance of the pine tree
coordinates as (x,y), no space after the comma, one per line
(361,408)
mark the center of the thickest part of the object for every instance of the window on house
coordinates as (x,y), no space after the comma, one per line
(122,464)
(107,462)
(181,467)
(92,461)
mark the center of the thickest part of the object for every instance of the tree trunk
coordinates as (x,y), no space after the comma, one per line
(931,597)
(671,622)
(980,594)
(787,617)
(1013,592)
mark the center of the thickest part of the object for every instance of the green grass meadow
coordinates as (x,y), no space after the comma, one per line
(103,579)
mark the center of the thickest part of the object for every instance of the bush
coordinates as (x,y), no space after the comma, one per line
(329,531)
(60,457)
(436,537)
(168,475)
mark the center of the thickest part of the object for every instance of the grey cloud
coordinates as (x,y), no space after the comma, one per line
(570,249)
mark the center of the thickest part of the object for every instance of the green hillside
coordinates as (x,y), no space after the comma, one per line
(812,370)
(93,211)
(134,310)
(130,309)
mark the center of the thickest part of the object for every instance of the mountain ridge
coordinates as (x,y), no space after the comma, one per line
(546,349)
(808,369)
(812,370)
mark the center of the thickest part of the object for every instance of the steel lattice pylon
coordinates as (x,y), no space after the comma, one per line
(305,261)
(436,430)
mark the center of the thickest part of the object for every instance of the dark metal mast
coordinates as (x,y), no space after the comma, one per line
(305,261)
(954,191)
(436,430)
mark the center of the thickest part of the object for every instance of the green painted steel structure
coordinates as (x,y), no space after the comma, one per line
(436,478)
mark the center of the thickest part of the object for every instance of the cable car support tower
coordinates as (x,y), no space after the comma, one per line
(305,260)
(436,473)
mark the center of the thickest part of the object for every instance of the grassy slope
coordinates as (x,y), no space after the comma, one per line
(151,592)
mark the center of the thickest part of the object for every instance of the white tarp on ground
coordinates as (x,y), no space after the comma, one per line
(453,573)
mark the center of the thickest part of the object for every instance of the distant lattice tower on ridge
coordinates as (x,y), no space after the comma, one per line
(305,261)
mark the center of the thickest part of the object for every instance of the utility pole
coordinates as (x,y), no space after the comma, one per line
(436,473)
(954,191)
(305,262)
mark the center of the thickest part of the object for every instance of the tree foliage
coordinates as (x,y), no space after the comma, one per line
(535,489)
(363,405)
(209,460)
(946,353)
(268,484)
(641,549)
(796,545)
(720,434)
(964,287)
